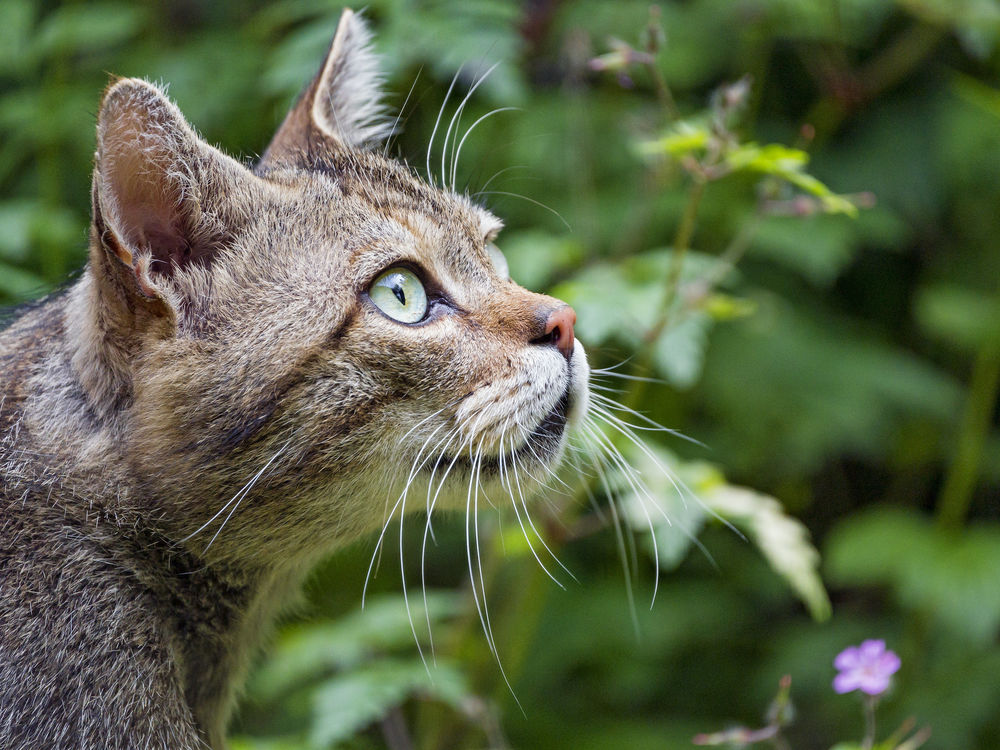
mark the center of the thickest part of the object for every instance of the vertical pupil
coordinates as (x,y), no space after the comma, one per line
(397,289)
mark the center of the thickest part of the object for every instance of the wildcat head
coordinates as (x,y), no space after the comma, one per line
(291,351)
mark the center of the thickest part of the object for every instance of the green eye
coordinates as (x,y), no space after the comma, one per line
(400,295)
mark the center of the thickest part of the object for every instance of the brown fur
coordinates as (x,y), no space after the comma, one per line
(222,333)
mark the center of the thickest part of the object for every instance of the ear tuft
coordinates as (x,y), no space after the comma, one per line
(348,102)
(341,109)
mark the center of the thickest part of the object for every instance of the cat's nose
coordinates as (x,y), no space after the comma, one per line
(559,330)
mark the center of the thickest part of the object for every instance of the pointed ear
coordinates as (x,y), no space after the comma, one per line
(151,178)
(341,109)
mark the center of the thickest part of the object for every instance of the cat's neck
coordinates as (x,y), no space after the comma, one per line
(62,455)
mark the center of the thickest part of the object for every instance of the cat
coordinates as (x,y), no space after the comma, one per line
(252,361)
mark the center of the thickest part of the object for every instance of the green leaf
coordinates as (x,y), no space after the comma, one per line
(306,652)
(20,285)
(94,26)
(350,702)
(679,352)
(672,499)
(621,303)
(958,315)
(684,138)
(950,577)
(783,540)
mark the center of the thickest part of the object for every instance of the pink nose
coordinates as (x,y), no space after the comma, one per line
(559,330)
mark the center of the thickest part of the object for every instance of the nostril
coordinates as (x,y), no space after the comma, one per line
(559,330)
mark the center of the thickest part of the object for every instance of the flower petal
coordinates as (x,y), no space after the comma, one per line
(849,658)
(845,682)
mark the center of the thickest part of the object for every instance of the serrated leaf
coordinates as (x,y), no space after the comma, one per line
(672,499)
(782,539)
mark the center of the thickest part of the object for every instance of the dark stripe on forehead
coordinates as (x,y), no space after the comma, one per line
(370,172)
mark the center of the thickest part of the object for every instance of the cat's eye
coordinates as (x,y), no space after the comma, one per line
(499,260)
(400,295)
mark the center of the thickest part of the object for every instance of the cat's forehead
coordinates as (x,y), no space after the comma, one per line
(383,202)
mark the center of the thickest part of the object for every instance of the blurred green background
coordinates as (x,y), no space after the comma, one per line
(846,366)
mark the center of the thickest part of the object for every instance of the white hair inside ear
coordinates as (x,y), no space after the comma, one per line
(348,102)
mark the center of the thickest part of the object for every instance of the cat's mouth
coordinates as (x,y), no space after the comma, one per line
(540,446)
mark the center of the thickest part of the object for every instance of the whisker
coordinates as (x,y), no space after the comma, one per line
(530,200)
(430,143)
(653,426)
(454,119)
(500,172)
(414,469)
(458,152)
(640,491)
(514,503)
(620,542)
(531,523)
(238,497)
(395,123)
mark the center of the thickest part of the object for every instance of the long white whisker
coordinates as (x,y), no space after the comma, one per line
(238,498)
(417,464)
(619,538)
(653,426)
(458,151)
(531,524)
(640,491)
(454,118)
(430,143)
(500,172)
(427,528)
(677,484)
(530,200)
(468,548)
(517,513)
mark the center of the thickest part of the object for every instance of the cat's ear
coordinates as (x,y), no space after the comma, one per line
(153,179)
(341,109)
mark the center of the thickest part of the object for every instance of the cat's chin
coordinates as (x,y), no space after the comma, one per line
(541,448)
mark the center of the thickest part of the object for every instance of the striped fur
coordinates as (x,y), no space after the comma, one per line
(216,403)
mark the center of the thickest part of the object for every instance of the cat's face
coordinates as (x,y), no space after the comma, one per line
(324,341)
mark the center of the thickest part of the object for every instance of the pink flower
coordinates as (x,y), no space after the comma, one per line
(867,668)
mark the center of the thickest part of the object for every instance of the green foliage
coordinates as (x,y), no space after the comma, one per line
(843,368)
(932,570)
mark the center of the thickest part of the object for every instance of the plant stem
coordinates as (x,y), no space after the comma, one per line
(663,90)
(682,241)
(960,482)
(394,731)
(869,740)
